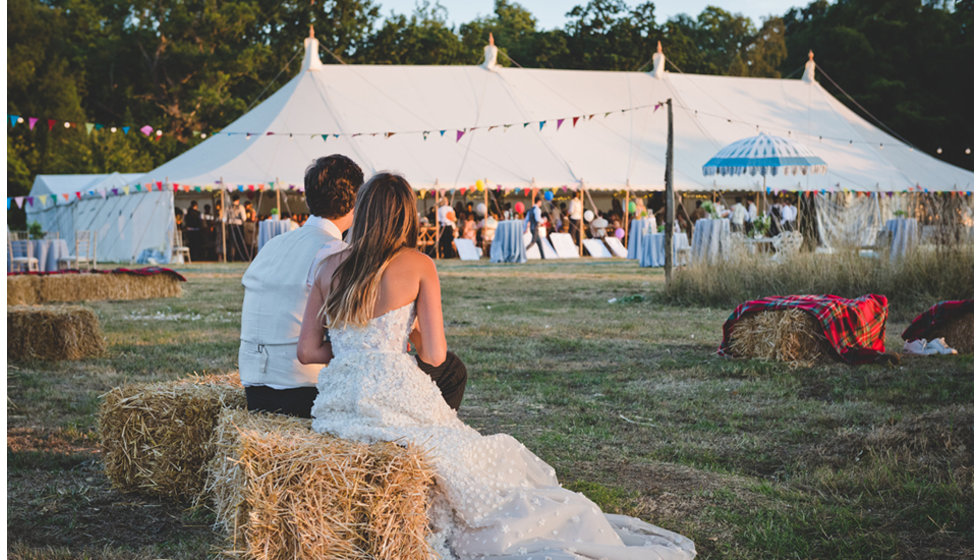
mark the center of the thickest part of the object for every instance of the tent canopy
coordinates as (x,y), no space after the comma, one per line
(448,126)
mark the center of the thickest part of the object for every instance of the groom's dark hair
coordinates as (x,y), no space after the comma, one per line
(331,185)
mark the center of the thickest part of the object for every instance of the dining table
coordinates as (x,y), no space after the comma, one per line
(638,228)
(508,243)
(651,250)
(271,228)
(711,240)
(905,236)
(47,252)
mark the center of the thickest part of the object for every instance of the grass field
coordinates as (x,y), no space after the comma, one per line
(752,460)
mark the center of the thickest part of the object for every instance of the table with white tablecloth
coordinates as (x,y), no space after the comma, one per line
(271,228)
(46,251)
(637,229)
(711,240)
(905,236)
(651,252)
(508,243)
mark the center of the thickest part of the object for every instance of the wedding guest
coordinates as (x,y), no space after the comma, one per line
(575,219)
(738,216)
(787,215)
(447,221)
(193,229)
(236,235)
(531,222)
(469,227)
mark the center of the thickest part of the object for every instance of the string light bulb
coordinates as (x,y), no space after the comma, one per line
(939,150)
(67,124)
(159,133)
(968,151)
(203,135)
(20,119)
(113,129)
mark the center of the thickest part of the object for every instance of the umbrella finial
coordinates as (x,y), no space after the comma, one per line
(491,44)
(490,55)
(311,60)
(809,70)
(811,50)
(658,62)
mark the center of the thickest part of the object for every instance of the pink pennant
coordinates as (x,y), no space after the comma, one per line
(459,134)
(146,130)
(560,121)
(31,121)
(20,201)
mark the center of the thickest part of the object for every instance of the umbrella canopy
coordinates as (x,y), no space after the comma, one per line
(765,155)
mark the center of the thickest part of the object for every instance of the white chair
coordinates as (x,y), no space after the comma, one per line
(27,262)
(180,250)
(84,251)
(787,244)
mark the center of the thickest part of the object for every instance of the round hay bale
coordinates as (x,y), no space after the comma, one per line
(53,333)
(282,491)
(23,289)
(155,436)
(958,333)
(786,335)
(101,286)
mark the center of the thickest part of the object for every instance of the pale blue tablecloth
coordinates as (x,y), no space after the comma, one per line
(651,248)
(271,228)
(637,229)
(711,240)
(508,243)
(905,235)
(46,251)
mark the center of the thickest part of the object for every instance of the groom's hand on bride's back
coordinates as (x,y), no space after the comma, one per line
(450,377)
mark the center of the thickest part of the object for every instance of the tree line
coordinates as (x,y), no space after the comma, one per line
(193,66)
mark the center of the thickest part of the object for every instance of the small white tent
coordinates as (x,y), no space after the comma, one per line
(448,126)
(131,225)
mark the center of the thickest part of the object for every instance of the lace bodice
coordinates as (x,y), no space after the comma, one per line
(386,333)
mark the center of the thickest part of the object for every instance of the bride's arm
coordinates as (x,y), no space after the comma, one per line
(431,340)
(311,348)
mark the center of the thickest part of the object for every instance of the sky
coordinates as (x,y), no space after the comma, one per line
(551,13)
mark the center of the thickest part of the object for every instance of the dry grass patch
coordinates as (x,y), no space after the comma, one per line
(53,333)
(282,491)
(958,333)
(786,335)
(155,436)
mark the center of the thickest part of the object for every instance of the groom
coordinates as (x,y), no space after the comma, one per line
(277,285)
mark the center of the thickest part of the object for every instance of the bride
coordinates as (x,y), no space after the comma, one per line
(494,498)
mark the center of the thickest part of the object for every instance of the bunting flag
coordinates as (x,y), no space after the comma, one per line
(147,129)
(78,194)
(560,121)
(13,120)
(50,124)
(66,196)
(126,190)
(574,121)
(459,134)
(125,130)
(89,127)
(324,136)
(19,200)
(102,192)
(31,122)
(541,125)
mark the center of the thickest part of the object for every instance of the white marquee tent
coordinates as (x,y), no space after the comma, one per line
(129,228)
(448,126)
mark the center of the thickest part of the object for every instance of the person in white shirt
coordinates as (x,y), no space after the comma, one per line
(787,220)
(277,285)
(738,216)
(751,214)
(575,218)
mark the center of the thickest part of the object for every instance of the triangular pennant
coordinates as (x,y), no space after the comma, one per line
(591,116)
(459,134)
(126,190)
(102,192)
(30,200)
(491,128)
(525,124)
(541,125)
(89,127)
(442,133)
(125,130)
(78,194)
(324,136)
(50,124)
(115,192)
(389,134)
(31,121)
(139,187)
(270,133)
(607,114)
(13,120)
(20,201)
(146,129)
(336,136)
(99,126)
(66,196)
(8,202)
(197,189)
(574,121)
(425,135)
(560,121)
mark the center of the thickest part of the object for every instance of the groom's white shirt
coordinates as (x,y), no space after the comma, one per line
(276,289)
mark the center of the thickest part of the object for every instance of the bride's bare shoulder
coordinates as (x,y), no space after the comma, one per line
(412,259)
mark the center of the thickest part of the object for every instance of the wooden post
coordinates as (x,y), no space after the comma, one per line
(626,215)
(278,205)
(581,222)
(438,221)
(224,233)
(486,214)
(669,187)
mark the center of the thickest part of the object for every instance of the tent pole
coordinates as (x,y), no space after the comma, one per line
(438,221)
(581,222)
(221,216)
(626,214)
(278,205)
(486,203)
(669,188)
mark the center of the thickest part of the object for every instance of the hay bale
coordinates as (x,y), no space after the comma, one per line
(53,333)
(23,289)
(785,335)
(958,333)
(281,491)
(98,287)
(155,436)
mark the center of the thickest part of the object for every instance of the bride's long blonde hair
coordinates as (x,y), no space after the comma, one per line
(385,221)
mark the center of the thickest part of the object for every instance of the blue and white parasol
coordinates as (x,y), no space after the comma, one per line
(764,155)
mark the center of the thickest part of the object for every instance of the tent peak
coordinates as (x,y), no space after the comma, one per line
(490,55)
(809,70)
(658,62)
(311,60)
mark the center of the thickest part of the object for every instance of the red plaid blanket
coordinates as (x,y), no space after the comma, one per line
(854,327)
(147,271)
(925,324)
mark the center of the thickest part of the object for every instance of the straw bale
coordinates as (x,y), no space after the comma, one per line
(54,332)
(280,490)
(785,335)
(23,289)
(94,287)
(958,333)
(155,436)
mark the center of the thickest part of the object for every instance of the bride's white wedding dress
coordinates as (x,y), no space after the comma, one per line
(495,497)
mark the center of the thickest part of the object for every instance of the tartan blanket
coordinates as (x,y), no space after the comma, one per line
(146,271)
(934,317)
(855,328)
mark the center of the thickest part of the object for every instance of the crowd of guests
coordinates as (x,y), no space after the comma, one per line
(202,231)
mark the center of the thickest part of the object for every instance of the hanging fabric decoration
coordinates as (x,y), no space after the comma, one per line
(459,134)
(560,121)
(20,201)
(31,121)
(541,125)
(574,121)
(125,130)
(89,127)
(13,120)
